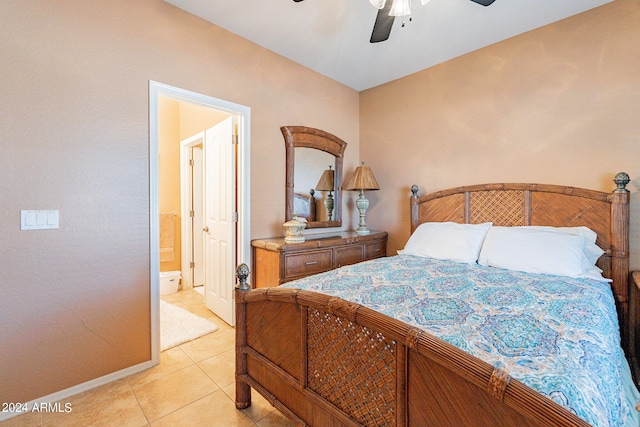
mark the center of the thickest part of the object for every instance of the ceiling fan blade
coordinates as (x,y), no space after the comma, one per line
(383,24)
(482,2)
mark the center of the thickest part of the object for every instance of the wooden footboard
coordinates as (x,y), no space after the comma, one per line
(323,361)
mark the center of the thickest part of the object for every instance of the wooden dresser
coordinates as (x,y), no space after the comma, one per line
(276,261)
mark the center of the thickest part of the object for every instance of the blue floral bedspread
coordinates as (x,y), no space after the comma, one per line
(555,334)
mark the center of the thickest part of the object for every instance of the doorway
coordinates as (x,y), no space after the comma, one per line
(237,191)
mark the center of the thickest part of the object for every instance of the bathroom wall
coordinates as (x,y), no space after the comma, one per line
(169,172)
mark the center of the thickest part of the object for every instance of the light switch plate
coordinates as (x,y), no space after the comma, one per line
(39,219)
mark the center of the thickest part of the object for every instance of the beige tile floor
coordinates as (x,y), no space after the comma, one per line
(192,386)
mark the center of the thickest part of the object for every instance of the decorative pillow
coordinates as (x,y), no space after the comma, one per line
(447,240)
(548,250)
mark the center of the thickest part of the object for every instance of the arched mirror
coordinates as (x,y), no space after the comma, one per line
(313,186)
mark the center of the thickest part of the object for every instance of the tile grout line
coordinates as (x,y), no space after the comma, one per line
(138,403)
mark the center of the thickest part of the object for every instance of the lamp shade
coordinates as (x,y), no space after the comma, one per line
(363,179)
(326,181)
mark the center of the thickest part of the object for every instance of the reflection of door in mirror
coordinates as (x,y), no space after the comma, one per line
(310,164)
(309,153)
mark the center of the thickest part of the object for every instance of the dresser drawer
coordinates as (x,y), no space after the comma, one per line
(349,255)
(304,264)
(375,250)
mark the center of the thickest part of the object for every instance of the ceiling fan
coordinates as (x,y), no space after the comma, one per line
(387,12)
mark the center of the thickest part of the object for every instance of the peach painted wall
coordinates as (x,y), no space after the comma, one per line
(560,104)
(74,136)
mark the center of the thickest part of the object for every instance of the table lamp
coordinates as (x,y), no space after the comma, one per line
(361,180)
(326,184)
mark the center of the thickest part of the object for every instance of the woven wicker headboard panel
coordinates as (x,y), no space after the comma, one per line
(541,204)
(502,207)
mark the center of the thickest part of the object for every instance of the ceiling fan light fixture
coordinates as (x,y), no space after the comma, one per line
(400,8)
(379,4)
(387,12)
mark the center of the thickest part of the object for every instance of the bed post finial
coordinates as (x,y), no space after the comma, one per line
(242,272)
(621,180)
(414,191)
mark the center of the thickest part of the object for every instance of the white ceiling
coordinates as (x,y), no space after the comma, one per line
(332,36)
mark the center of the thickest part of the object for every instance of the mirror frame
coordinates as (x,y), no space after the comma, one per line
(307,137)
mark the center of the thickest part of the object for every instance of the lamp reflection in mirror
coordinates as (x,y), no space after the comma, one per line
(362,180)
(326,184)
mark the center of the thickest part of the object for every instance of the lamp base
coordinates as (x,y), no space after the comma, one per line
(328,203)
(362,230)
(362,203)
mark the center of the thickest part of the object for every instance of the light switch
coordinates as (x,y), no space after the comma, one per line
(28,219)
(39,219)
(52,218)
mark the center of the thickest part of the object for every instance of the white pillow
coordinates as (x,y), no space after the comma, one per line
(447,240)
(591,250)
(547,250)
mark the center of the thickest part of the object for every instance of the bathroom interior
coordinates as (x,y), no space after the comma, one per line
(181,265)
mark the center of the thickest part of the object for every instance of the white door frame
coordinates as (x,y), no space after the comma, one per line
(186,202)
(243,246)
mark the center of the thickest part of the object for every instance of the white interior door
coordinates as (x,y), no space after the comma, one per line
(220,210)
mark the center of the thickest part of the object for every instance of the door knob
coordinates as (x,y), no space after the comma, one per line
(206,229)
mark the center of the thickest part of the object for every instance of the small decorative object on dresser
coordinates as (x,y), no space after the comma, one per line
(276,261)
(293,230)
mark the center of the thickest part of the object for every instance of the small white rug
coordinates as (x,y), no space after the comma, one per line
(199,289)
(178,326)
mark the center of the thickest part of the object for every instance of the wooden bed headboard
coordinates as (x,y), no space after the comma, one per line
(542,204)
(304,205)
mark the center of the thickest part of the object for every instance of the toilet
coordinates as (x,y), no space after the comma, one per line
(169,281)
